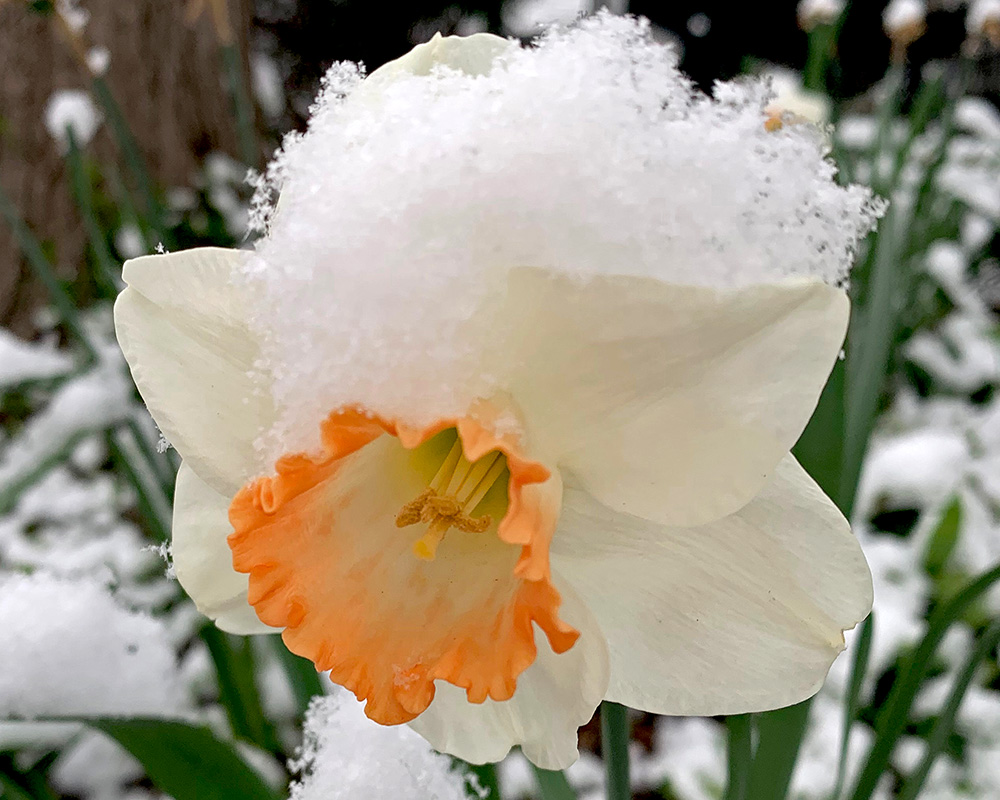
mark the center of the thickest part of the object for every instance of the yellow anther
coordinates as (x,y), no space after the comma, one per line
(442,509)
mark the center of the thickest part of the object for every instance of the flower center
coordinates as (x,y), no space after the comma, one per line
(452,497)
(328,564)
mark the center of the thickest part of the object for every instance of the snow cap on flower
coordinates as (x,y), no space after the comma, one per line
(589,154)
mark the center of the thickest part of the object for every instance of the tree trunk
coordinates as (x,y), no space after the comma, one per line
(167,75)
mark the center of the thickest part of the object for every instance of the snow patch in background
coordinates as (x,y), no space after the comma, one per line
(346,756)
(68,648)
(71,109)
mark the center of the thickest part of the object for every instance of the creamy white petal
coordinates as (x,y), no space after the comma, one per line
(202,559)
(474,55)
(673,403)
(743,614)
(554,697)
(180,323)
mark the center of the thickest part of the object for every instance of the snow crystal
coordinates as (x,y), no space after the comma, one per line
(22,361)
(68,648)
(410,197)
(71,109)
(346,756)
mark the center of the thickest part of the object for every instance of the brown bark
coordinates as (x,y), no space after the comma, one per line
(166,74)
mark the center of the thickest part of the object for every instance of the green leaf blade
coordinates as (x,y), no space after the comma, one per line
(186,761)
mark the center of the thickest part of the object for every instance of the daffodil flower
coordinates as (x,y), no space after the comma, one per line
(620,518)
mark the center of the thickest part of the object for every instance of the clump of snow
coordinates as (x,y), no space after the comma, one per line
(961,353)
(71,109)
(22,361)
(268,87)
(92,401)
(68,648)
(978,115)
(346,756)
(129,242)
(95,766)
(409,199)
(75,17)
(98,60)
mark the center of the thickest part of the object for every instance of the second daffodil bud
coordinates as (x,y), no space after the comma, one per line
(493,422)
(904,21)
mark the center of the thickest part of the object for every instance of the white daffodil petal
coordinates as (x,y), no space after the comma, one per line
(744,614)
(202,560)
(473,55)
(554,697)
(672,403)
(180,323)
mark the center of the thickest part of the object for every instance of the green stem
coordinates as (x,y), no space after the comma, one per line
(895,711)
(739,731)
(552,784)
(153,503)
(235,668)
(873,333)
(242,104)
(42,270)
(945,723)
(859,666)
(134,160)
(301,673)
(108,269)
(780,736)
(488,780)
(614,747)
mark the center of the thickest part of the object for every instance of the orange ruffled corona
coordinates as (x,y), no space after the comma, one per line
(389,602)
